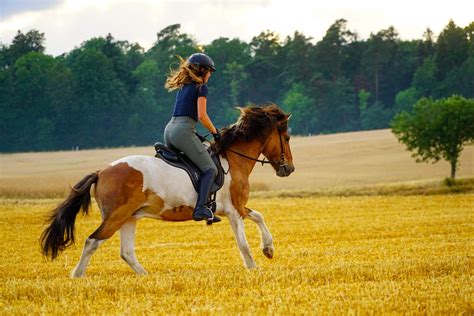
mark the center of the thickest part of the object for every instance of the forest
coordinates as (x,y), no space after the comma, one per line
(109,92)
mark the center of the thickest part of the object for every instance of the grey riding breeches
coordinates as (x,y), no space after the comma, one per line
(180,134)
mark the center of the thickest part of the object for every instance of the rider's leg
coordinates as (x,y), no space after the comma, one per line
(199,155)
(202,211)
(196,151)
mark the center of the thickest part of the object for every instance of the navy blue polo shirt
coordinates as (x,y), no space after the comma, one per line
(186,100)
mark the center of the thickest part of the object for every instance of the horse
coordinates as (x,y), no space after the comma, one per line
(136,187)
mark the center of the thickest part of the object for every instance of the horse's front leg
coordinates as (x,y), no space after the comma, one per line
(237,224)
(267,239)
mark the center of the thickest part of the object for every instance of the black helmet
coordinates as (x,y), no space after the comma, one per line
(200,59)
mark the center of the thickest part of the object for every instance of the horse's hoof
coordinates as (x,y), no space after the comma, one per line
(141,272)
(209,221)
(268,252)
(75,275)
(252,267)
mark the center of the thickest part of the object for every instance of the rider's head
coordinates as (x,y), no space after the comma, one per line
(197,68)
(201,61)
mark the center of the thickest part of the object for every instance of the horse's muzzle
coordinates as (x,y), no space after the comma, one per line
(285,170)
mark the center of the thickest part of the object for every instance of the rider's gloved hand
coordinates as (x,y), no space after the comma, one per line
(217,136)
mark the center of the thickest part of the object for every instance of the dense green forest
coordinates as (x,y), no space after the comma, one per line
(108,92)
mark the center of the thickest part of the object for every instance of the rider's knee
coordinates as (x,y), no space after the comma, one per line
(212,170)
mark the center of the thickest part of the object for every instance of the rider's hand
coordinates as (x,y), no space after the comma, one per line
(217,136)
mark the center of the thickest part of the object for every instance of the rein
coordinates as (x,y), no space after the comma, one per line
(262,161)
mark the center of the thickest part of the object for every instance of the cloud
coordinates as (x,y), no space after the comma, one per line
(67,23)
(9,8)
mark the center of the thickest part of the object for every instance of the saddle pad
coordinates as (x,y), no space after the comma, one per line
(179,160)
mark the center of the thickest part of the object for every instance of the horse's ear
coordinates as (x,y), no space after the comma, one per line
(240,109)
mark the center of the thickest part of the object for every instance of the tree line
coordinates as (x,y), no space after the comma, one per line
(109,93)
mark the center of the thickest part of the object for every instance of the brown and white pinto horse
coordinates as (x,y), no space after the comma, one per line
(134,187)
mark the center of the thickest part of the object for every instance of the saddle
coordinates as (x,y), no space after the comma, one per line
(180,160)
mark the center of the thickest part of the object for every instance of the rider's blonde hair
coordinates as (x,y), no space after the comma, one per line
(186,73)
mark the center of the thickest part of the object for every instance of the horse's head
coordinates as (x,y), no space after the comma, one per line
(277,146)
(267,129)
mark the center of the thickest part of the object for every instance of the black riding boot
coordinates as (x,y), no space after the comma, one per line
(202,210)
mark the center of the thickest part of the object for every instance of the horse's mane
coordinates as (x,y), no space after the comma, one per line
(255,122)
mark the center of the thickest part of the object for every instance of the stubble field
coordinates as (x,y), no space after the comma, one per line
(339,249)
(334,255)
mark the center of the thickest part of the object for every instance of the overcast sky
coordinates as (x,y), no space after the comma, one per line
(67,23)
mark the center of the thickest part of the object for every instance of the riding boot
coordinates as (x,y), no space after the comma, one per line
(202,210)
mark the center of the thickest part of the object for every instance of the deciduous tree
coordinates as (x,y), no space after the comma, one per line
(437,129)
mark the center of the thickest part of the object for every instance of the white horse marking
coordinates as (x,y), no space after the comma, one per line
(267,239)
(127,247)
(237,224)
(90,246)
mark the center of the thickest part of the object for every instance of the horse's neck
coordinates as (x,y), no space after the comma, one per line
(241,164)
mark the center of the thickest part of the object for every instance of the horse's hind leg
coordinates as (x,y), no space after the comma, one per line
(127,246)
(108,227)
(267,239)
(119,194)
(90,246)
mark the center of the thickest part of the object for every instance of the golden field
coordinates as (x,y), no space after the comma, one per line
(334,255)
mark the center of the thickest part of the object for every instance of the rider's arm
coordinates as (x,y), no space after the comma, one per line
(202,115)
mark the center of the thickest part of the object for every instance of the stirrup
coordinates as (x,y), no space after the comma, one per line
(214,219)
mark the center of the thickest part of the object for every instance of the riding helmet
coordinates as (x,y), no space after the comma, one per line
(200,59)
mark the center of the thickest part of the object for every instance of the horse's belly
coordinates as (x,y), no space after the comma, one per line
(176,214)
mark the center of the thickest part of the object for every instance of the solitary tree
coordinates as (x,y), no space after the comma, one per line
(437,129)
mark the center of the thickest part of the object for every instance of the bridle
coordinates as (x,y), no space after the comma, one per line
(281,163)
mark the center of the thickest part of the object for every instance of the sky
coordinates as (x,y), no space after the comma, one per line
(68,23)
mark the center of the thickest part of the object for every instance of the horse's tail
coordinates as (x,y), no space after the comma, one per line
(60,233)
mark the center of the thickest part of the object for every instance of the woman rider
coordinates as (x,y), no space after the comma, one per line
(180,133)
